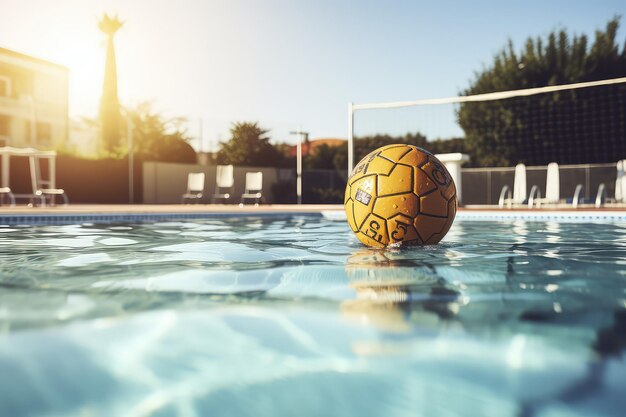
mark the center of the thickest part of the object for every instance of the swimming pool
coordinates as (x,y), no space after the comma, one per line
(290,315)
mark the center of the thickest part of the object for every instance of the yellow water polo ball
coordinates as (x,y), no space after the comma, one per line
(400,195)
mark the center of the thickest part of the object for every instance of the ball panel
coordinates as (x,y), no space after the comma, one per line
(368,241)
(440,176)
(428,227)
(394,152)
(363,193)
(389,206)
(379,166)
(434,204)
(358,170)
(415,157)
(375,230)
(436,238)
(423,184)
(350,215)
(449,191)
(401,229)
(400,180)
(364,166)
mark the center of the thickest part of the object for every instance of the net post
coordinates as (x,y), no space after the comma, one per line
(350,138)
(299,165)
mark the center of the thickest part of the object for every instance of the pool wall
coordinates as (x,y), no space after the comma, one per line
(140,213)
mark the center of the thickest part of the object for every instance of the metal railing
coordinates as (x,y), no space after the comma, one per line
(485,185)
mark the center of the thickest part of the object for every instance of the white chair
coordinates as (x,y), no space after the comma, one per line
(553,195)
(519,189)
(620,181)
(45,190)
(224,181)
(195,186)
(620,187)
(254,187)
(6,191)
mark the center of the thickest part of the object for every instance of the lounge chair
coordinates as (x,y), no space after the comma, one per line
(45,190)
(620,187)
(620,182)
(195,187)
(224,181)
(6,191)
(552,188)
(254,188)
(519,189)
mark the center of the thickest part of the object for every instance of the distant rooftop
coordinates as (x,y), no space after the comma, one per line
(10,52)
(308,147)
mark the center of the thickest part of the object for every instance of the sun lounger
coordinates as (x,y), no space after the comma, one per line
(254,187)
(195,187)
(620,182)
(519,189)
(620,187)
(224,181)
(553,191)
(6,191)
(43,191)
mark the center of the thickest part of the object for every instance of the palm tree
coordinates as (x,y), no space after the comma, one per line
(109,104)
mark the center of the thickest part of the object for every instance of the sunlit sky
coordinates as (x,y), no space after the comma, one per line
(282,63)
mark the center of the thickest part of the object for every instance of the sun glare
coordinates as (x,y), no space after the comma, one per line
(85,64)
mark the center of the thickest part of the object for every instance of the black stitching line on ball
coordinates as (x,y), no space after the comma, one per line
(405,154)
(386,159)
(396,194)
(428,192)
(360,178)
(433,215)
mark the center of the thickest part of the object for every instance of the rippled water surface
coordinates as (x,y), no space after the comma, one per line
(293,317)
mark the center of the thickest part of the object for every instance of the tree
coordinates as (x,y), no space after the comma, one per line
(249,146)
(321,157)
(574,126)
(109,104)
(158,139)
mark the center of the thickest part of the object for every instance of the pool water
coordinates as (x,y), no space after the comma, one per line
(291,316)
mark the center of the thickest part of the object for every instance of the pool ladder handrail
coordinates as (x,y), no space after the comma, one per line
(509,197)
(577,195)
(601,195)
(535,194)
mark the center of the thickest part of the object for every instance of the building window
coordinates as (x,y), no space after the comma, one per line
(5,129)
(5,86)
(44,133)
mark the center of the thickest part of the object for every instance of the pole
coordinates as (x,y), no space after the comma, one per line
(200,136)
(33,122)
(131,172)
(299,134)
(350,138)
(299,166)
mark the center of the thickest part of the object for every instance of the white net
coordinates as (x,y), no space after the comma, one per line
(568,124)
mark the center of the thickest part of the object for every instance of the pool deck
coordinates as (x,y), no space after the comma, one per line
(105,209)
(111,209)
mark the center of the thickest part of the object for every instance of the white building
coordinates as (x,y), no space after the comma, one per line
(33,102)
